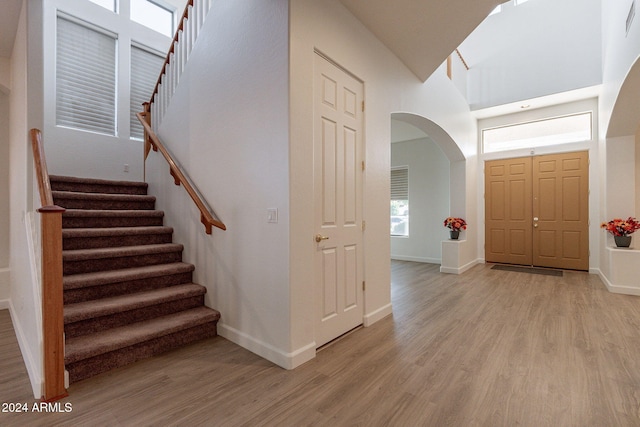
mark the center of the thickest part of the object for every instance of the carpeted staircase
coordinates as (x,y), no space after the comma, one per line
(127,293)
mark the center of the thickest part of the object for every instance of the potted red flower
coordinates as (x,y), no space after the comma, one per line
(621,230)
(455,225)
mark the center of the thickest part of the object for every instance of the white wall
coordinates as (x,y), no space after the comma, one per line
(537,48)
(620,50)
(5,75)
(245,132)
(87,154)
(25,304)
(637,171)
(4,197)
(5,85)
(389,88)
(428,200)
(228,126)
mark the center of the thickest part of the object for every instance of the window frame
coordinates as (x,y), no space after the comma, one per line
(531,143)
(399,194)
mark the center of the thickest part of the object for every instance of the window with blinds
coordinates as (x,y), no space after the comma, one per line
(145,69)
(85,78)
(400,201)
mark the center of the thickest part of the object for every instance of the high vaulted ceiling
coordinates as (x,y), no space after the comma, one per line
(422,33)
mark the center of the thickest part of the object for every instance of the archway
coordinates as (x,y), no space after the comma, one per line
(623,136)
(437,185)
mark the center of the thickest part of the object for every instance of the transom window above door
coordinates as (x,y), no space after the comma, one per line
(539,133)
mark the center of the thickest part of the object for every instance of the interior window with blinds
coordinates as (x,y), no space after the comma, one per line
(400,201)
(145,69)
(85,78)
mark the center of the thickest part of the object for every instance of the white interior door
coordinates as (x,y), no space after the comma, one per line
(338,123)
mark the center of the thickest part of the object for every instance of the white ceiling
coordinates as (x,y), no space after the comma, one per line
(422,33)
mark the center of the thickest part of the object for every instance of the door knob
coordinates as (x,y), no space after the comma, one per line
(535,218)
(320,238)
(535,225)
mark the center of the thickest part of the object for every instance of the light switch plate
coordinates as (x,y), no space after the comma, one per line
(272,215)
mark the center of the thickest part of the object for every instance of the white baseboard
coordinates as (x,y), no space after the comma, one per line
(379,314)
(417,259)
(460,270)
(267,351)
(37,382)
(4,304)
(615,289)
(281,358)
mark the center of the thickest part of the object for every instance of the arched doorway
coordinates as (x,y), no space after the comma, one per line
(436,186)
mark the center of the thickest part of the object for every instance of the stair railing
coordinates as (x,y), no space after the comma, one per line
(188,29)
(52,299)
(207,215)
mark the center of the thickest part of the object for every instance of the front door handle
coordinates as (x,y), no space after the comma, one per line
(320,238)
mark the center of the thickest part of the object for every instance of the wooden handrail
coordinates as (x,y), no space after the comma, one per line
(52,299)
(42,173)
(462,59)
(167,60)
(206,213)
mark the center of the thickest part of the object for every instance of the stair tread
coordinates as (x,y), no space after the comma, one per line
(100,196)
(73,179)
(119,251)
(76,281)
(122,303)
(114,212)
(115,231)
(86,346)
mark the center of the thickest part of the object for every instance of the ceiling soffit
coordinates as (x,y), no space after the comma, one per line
(421,33)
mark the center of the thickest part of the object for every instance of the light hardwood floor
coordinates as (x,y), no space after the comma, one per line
(486,348)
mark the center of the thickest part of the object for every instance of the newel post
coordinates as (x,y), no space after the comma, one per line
(52,303)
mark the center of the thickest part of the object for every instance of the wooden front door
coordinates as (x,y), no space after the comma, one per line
(537,211)
(338,124)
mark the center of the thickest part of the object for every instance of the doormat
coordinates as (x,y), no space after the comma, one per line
(530,270)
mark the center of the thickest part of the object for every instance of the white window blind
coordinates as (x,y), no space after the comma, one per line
(400,184)
(400,201)
(145,69)
(85,78)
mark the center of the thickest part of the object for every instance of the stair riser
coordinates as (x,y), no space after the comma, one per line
(97,188)
(89,367)
(89,292)
(105,204)
(114,241)
(108,222)
(116,263)
(180,311)
(90,326)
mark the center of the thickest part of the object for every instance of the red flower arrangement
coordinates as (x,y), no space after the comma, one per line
(455,224)
(621,227)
